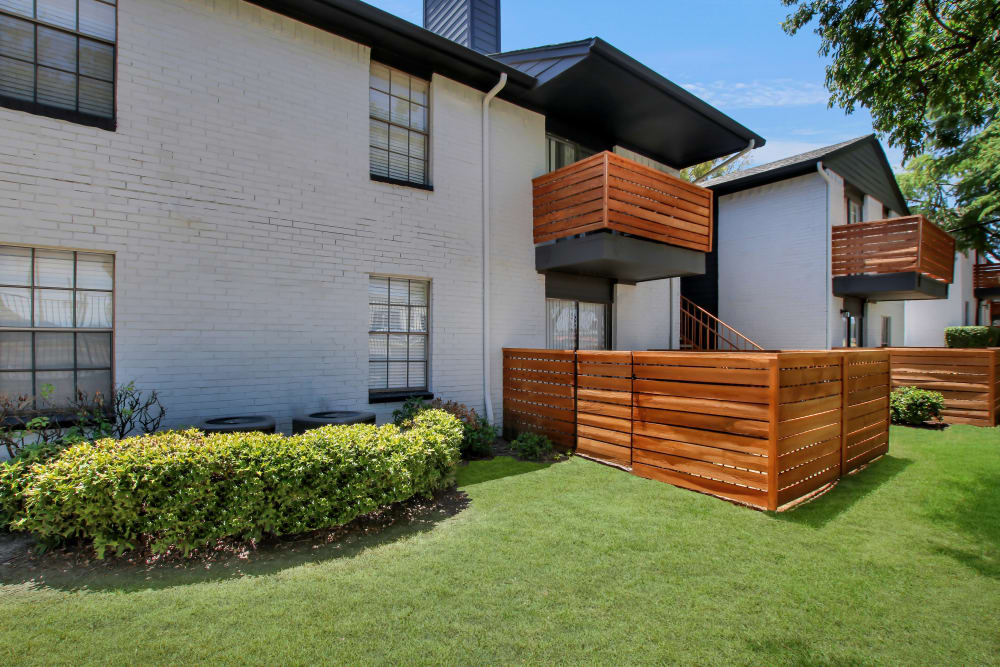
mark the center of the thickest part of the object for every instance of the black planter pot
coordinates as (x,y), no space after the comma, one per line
(240,424)
(304,423)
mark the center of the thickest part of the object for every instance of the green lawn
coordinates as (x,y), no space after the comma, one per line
(577,562)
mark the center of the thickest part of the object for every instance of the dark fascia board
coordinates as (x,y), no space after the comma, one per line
(809,166)
(630,64)
(402,44)
(598,47)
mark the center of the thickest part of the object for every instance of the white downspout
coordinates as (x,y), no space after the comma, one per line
(753,142)
(829,241)
(487,382)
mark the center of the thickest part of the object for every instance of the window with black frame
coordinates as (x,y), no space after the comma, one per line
(399,126)
(398,332)
(56,324)
(57,58)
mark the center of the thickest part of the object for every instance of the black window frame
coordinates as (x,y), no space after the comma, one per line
(34,329)
(426,183)
(47,110)
(391,393)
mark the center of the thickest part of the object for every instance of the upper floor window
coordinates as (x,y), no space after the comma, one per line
(563,152)
(399,138)
(56,323)
(57,58)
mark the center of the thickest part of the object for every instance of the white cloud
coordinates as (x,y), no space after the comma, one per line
(759,94)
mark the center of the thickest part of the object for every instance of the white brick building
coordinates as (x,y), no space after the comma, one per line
(235,194)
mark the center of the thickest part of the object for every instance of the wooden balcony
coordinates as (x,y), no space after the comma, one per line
(911,244)
(609,192)
(986,276)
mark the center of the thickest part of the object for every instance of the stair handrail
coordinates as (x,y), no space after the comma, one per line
(697,331)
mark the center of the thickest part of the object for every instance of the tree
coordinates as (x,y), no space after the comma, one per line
(926,69)
(929,73)
(960,190)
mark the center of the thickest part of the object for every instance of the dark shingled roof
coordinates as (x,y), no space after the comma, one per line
(861,161)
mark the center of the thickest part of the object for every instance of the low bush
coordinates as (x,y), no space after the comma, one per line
(909,405)
(478,434)
(532,446)
(403,415)
(972,336)
(188,490)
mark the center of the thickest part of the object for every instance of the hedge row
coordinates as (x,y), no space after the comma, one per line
(972,336)
(187,490)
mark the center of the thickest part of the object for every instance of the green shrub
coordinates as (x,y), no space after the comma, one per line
(478,434)
(532,446)
(187,490)
(972,336)
(411,407)
(909,405)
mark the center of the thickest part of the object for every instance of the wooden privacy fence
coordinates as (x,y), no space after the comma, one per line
(762,429)
(966,377)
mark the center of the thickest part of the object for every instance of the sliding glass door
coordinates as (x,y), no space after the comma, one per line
(577,325)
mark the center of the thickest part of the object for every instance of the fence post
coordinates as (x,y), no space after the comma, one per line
(774,396)
(845,395)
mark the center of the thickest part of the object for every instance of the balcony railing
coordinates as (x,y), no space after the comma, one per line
(609,192)
(986,276)
(897,245)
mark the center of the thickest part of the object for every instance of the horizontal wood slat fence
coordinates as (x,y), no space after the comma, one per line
(967,377)
(985,276)
(896,245)
(608,191)
(763,429)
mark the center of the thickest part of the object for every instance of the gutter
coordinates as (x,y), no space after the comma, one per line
(487,175)
(829,242)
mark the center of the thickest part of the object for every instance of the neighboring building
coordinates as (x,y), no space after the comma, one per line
(797,267)
(272,207)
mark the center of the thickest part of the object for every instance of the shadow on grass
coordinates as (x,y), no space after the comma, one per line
(478,472)
(76,570)
(972,510)
(788,650)
(848,491)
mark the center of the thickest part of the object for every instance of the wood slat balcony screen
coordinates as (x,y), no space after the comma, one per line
(607,191)
(986,276)
(969,379)
(897,245)
(763,429)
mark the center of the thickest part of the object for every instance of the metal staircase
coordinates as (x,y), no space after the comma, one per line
(702,331)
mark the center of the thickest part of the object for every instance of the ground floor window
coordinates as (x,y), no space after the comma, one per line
(577,325)
(398,333)
(886,331)
(56,324)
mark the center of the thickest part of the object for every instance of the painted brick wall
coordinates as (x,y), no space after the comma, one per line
(236,197)
(774,277)
(926,320)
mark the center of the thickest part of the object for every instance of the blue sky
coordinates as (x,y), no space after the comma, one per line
(731,53)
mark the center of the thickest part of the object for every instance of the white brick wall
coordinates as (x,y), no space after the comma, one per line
(774,275)
(926,320)
(236,197)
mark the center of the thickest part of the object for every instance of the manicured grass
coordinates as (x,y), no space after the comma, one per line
(577,562)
